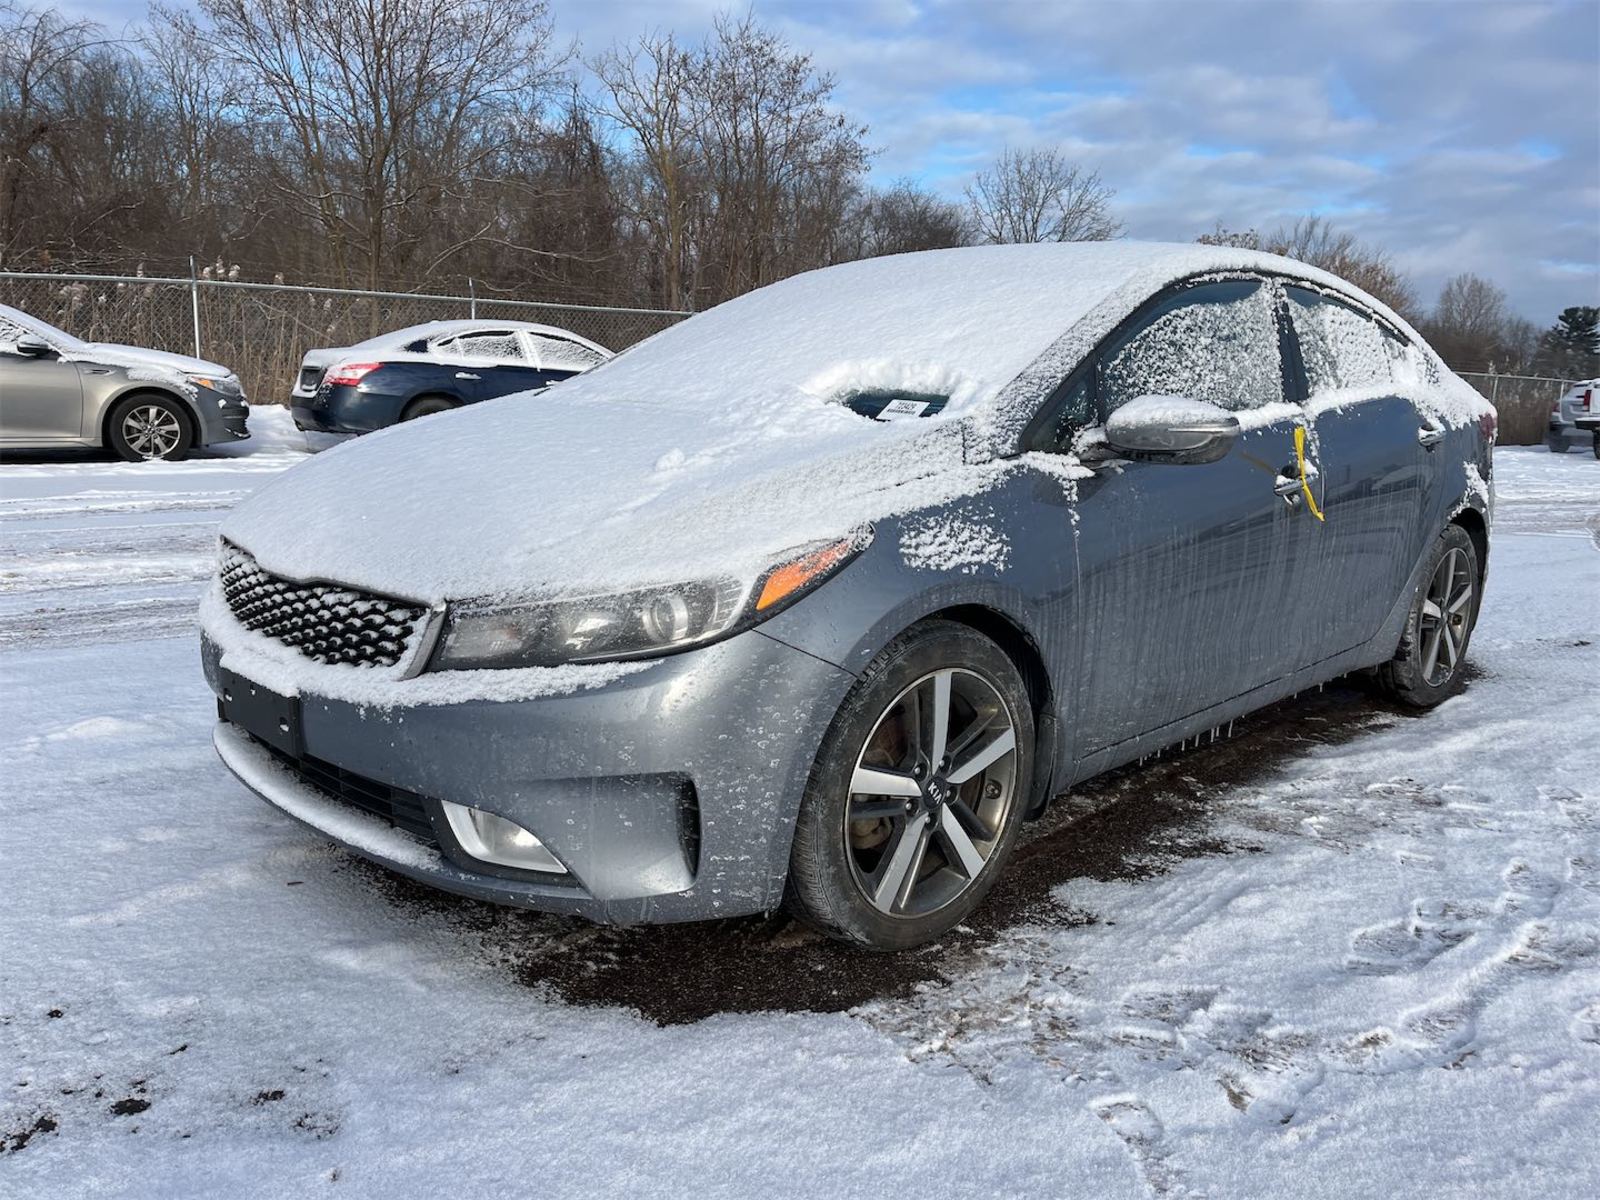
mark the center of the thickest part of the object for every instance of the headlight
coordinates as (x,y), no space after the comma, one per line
(223,385)
(642,623)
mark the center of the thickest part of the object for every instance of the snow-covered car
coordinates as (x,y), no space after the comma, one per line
(815,597)
(432,368)
(57,390)
(1575,418)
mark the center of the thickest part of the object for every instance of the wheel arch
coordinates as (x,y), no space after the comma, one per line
(1477,528)
(430,393)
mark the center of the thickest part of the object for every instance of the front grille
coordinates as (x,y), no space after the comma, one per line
(402,809)
(321,620)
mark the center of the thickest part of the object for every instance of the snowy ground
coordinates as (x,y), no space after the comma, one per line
(1349,952)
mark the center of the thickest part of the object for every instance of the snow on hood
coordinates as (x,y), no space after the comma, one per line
(546,492)
(719,442)
(113,355)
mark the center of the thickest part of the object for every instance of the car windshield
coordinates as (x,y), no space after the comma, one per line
(15,324)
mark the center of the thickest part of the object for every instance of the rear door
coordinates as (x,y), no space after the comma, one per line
(1367,442)
(490,363)
(41,398)
(1178,574)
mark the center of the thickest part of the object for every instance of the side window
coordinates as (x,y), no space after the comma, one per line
(500,345)
(1341,348)
(1216,342)
(559,354)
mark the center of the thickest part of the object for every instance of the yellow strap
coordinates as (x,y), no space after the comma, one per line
(1300,461)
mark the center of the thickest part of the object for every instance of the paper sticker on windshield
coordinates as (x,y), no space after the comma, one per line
(903,408)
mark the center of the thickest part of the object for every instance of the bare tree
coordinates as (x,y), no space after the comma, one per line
(1314,241)
(386,109)
(39,54)
(1471,328)
(906,217)
(1040,196)
(649,88)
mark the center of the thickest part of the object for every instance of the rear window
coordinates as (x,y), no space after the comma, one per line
(1342,349)
(562,354)
(500,345)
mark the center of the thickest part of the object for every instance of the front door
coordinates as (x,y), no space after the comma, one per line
(1173,599)
(41,398)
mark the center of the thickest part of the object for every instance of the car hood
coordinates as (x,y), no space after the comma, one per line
(116,355)
(532,495)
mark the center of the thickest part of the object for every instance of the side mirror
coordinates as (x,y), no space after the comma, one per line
(30,346)
(1172,429)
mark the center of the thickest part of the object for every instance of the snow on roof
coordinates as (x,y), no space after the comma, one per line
(398,338)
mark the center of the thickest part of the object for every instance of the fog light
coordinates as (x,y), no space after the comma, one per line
(496,840)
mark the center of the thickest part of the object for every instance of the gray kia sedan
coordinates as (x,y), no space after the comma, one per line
(57,390)
(813,599)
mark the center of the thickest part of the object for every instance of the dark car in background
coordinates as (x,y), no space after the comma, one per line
(432,368)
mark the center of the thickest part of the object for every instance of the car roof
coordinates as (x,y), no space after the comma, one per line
(432,330)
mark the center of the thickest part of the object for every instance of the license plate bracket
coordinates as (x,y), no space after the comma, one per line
(265,714)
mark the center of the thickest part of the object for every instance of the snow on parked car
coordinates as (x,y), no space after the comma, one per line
(432,368)
(822,591)
(57,390)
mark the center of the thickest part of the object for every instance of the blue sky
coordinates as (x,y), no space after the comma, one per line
(1458,135)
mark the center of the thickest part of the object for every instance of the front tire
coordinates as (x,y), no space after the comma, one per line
(1427,666)
(144,428)
(914,802)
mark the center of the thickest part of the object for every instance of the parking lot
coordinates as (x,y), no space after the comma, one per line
(1348,944)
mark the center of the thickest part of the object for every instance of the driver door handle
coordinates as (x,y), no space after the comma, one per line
(1289,479)
(465,375)
(1431,434)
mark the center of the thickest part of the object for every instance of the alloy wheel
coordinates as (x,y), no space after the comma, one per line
(151,430)
(1445,618)
(931,793)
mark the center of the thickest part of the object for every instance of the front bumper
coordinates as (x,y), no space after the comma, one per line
(221,418)
(669,794)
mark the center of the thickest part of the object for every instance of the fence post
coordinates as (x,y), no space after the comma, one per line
(472,298)
(194,304)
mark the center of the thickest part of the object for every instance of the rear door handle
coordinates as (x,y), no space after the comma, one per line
(1431,434)
(465,375)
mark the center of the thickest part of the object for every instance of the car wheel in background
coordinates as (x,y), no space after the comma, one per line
(1426,668)
(427,406)
(917,792)
(1558,445)
(150,426)
(1597,443)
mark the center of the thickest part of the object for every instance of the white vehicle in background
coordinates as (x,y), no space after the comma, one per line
(1575,418)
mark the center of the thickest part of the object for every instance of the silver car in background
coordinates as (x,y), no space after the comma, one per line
(57,390)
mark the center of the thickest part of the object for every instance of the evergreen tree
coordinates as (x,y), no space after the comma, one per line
(1570,349)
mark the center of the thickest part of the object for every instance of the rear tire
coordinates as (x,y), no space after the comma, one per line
(1597,443)
(147,427)
(889,870)
(1558,445)
(1427,666)
(427,406)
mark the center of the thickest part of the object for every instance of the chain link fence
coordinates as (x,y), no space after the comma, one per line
(1523,403)
(261,330)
